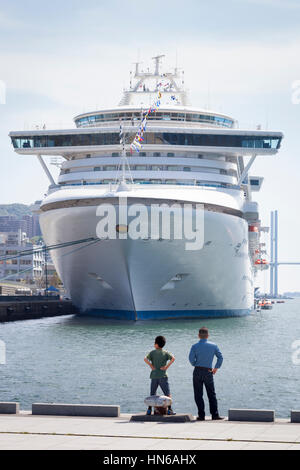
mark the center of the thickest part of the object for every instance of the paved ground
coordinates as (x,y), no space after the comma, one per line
(25,431)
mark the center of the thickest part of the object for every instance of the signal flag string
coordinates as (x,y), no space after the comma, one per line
(138,140)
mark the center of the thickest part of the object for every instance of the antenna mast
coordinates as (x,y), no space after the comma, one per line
(157,63)
(124,161)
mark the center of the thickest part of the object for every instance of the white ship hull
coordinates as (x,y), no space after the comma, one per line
(132,279)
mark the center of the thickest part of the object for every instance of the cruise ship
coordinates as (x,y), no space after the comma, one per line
(184,157)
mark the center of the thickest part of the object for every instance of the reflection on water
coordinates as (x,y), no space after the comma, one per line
(88,360)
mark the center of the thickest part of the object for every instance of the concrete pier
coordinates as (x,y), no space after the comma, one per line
(29,309)
(27,431)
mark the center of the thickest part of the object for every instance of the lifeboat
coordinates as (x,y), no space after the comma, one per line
(265,304)
(261,261)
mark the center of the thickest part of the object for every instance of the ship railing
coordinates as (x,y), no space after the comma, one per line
(155,122)
(161,185)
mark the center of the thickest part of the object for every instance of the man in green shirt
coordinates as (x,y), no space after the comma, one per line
(158,361)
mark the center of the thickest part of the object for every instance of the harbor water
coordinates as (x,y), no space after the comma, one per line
(73,359)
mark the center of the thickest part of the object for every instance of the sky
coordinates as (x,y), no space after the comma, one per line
(240,57)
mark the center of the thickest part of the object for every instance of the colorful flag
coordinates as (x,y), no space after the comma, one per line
(136,145)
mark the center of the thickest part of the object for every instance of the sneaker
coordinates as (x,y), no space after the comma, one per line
(171,412)
(199,418)
(217,417)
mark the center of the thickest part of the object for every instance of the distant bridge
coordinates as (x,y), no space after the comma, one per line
(274,263)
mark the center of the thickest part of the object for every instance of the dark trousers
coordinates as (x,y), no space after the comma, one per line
(204,377)
(162,383)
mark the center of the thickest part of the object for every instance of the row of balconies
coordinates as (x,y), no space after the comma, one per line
(153,168)
(149,175)
(181,155)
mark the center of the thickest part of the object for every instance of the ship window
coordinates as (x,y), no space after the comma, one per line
(110,168)
(142,154)
(88,155)
(97,168)
(23,143)
(254,182)
(252,142)
(27,144)
(189,182)
(40,141)
(170,154)
(51,142)
(186,168)
(115,154)
(172,168)
(218,120)
(141,167)
(156,154)
(165,138)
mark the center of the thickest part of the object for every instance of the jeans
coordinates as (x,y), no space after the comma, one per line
(163,383)
(205,377)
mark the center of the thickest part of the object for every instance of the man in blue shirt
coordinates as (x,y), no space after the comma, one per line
(201,357)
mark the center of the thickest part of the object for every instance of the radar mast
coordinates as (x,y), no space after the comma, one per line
(145,85)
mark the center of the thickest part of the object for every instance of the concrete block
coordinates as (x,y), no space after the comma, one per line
(235,414)
(178,418)
(63,409)
(10,408)
(295,416)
